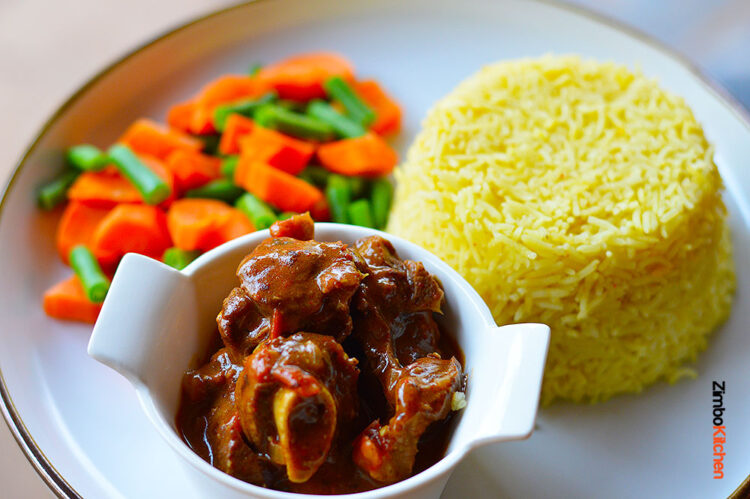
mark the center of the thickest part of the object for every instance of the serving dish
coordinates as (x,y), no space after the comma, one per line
(153,338)
(63,406)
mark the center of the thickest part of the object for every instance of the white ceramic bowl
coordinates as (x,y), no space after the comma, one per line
(156,321)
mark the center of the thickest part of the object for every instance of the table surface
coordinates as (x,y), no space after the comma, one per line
(72,40)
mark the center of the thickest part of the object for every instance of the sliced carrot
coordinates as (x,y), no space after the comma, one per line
(180,116)
(108,187)
(203,224)
(133,228)
(78,225)
(282,190)
(227,88)
(387,111)
(66,300)
(237,225)
(276,149)
(237,126)
(147,137)
(192,169)
(103,189)
(368,155)
(301,77)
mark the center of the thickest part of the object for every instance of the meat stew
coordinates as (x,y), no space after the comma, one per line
(330,374)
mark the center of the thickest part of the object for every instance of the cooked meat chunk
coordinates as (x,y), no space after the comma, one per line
(302,285)
(298,227)
(223,445)
(292,394)
(397,293)
(241,325)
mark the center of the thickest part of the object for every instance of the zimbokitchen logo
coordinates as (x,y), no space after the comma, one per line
(719,430)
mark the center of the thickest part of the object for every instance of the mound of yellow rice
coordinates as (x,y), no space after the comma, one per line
(584,196)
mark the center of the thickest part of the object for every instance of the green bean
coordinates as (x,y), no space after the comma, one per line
(360,214)
(359,186)
(246,108)
(56,191)
(381,196)
(339,90)
(210,142)
(315,175)
(254,69)
(222,189)
(152,187)
(292,105)
(228,166)
(339,195)
(95,283)
(285,215)
(344,126)
(259,213)
(179,258)
(291,123)
(87,158)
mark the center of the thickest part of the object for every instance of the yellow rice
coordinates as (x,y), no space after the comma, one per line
(584,196)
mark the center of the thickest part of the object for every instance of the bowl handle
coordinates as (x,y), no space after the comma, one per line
(515,387)
(145,298)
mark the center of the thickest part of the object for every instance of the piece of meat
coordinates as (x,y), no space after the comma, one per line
(397,295)
(241,325)
(423,393)
(299,227)
(302,285)
(292,395)
(213,385)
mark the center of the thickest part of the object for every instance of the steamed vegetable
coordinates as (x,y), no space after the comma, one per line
(86,157)
(290,137)
(339,90)
(153,189)
(132,228)
(67,300)
(294,124)
(368,155)
(259,213)
(277,188)
(360,214)
(52,194)
(178,258)
(222,189)
(95,284)
(343,126)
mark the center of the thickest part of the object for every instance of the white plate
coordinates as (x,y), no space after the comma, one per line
(81,423)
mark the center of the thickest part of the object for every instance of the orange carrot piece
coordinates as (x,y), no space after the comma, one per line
(301,77)
(78,225)
(66,300)
(237,126)
(108,187)
(282,190)
(203,224)
(368,155)
(192,169)
(237,225)
(180,116)
(276,149)
(103,189)
(227,88)
(133,228)
(147,137)
(387,111)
